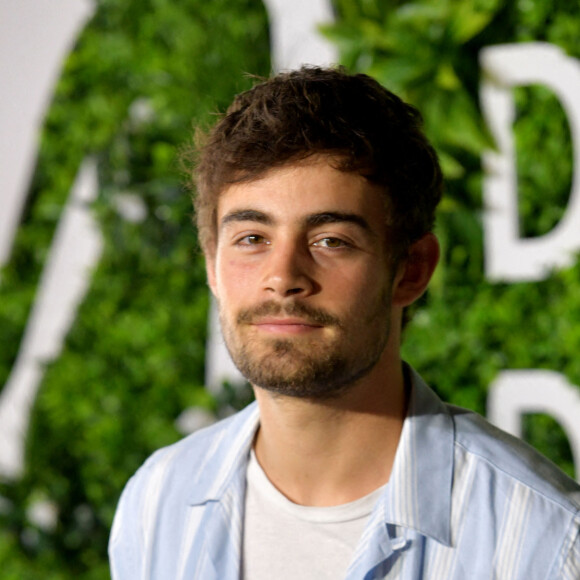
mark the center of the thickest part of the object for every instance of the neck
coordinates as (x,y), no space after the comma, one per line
(329,452)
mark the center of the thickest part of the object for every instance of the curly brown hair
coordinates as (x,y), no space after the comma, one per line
(359,124)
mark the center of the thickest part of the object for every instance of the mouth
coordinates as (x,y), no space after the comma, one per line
(286,325)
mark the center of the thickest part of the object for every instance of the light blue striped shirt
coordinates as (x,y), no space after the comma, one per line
(465,502)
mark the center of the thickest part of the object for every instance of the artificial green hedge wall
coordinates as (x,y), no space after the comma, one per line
(142,70)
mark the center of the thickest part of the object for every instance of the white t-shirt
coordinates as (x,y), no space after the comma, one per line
(287,541)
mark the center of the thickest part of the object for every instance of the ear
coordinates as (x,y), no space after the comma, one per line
(415,270)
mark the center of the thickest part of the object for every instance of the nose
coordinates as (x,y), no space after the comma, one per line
(288,271)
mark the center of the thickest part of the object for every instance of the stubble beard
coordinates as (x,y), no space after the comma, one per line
(307,368)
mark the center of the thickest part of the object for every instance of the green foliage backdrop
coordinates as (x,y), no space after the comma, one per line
(141,72)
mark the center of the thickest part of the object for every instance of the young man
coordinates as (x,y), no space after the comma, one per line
(315,203)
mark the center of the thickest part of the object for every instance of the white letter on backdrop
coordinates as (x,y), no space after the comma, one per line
(509,257)
(516,392)
(295,39)
(75,250)
(35,37)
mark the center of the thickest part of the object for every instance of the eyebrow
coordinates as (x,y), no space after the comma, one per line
(247,215)
(332,217)
(313,220)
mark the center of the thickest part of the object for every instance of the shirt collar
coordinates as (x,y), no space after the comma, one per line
(226,458)
(418,495)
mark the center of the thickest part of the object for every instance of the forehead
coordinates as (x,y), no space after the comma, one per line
(296,190)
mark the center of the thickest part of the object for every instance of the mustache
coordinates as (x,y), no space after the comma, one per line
(270,308)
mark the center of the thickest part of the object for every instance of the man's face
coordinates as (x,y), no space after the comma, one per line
(303,279)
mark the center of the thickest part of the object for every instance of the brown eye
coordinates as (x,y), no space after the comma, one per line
(252,240)
(330,243)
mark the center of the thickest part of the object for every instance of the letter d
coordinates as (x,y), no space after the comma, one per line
(509,257)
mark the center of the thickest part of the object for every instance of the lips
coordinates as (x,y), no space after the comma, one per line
(286,325)
(286,321)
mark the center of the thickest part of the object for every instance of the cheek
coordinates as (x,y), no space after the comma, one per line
(368,294)
(233,275)
(345,297)
(362,282)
